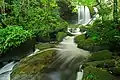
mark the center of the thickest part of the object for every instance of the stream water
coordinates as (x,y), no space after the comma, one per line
(66,66)
(6,71)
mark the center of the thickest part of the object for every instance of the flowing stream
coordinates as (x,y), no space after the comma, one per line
(6,71)
(66,66)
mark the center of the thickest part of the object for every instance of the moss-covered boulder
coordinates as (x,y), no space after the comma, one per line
(87,44)
(90,43)
(101,55)
(33,65)
(92,73)
(100,64)
(60,36)
(42,46)
(79,38)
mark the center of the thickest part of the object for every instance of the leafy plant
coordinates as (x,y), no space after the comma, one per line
(13,36)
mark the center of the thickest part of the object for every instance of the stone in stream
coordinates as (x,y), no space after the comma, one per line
(30,66)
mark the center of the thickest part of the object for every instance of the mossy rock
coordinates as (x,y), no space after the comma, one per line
(91,44)
(30,66)
(92,73)
(101,64)
(42,46)
(79,38)
(101,55)
(86,44)
(60,36)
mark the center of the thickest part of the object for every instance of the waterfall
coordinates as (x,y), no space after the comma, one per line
(83,15)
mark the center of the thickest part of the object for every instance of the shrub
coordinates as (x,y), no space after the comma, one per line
(101,55)
(13,36)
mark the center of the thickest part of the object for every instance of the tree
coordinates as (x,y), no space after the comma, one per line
(115,12)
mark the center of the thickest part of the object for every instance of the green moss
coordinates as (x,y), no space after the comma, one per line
(92,73)
(42,46)
(101,55)
(34,64)
(79,38)
(91,43)
(86,44)
(60,36)
(101,64)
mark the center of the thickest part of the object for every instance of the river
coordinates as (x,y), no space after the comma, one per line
(66,66)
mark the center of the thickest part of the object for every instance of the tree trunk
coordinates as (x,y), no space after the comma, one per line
(115,12)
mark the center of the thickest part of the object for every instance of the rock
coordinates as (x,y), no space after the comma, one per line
(92,73)
(60,36)
(29,67)
(91,44)
(101,55)
(79,38)
(100,64)
(42,46)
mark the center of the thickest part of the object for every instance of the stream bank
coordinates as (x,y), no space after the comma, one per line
(102,64)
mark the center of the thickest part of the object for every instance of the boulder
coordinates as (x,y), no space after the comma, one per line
(100,64)
(29,67)
(92,73)
(101,55)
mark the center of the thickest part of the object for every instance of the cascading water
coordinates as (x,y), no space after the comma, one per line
(68,56)
(6,71)
(83,15)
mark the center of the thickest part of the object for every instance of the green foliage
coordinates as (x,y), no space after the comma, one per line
(87,2)
(105,31)
(101,55)
(60,36)
(13,36)
(40,16)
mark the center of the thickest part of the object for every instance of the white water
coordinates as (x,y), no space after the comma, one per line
(68,53)
(6,71)
(83,15)
(74,31)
